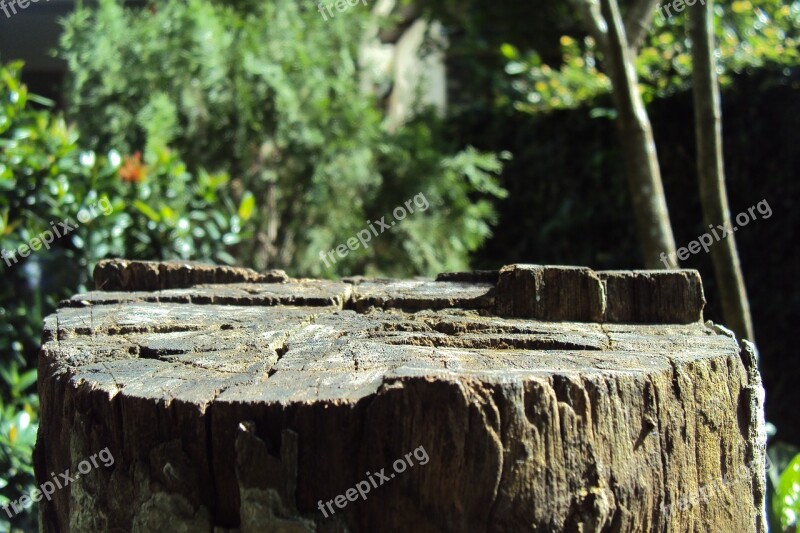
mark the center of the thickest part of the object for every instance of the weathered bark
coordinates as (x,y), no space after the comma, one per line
(633,124)
(711,172)
(121,275)
(242,406)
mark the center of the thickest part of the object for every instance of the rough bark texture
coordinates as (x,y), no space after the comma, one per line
(240,407)
(711,173)
(120,275)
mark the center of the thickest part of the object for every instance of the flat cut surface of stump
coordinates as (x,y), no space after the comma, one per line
(544,399)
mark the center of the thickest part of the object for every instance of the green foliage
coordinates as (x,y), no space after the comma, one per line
(269,92)
(476,31)
(18,424)
(37,166)
(18,427)
(173,214)
(459,211)
(786,500)
(142,209)
(577,81)
(151,209)
(749,34)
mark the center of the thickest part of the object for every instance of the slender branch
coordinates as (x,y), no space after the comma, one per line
(711,171)
(636,137)
(605,24)
(620,57)
(639,20)
(593,18)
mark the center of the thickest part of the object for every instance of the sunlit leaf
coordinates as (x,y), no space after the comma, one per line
(786,500)
(247,206)
(147,211)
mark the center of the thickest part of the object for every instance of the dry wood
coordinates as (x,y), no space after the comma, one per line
(241,406)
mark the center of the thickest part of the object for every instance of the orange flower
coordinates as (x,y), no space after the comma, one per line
(133,171)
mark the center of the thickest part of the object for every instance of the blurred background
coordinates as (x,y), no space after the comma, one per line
(264,133)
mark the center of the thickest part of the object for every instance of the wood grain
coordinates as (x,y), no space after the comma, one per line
(547,399)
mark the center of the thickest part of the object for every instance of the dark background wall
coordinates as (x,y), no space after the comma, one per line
(30,35)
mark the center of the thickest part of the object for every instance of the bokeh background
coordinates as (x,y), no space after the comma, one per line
(263,133)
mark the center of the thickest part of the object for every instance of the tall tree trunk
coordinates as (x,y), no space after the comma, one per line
(711,174)
(635,131)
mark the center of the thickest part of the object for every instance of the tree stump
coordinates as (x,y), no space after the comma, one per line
(529,399)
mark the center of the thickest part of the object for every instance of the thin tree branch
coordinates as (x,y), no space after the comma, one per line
(711,171)
(593,18)
(639,149)
(639,20)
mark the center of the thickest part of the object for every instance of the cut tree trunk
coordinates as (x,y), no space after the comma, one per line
(529,399)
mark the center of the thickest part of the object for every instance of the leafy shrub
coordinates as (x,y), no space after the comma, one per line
(143,209)
(749,34)
(150,209)
(269,92)
(18,426)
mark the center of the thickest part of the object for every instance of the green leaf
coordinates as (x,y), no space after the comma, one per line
(41,100)
(786,502)
(247,206)
(26,380)
(509,51)
(147,211)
